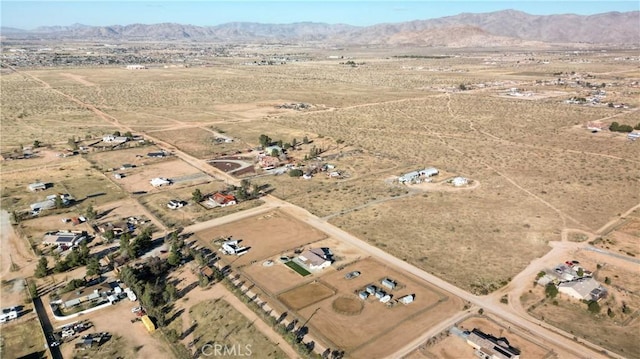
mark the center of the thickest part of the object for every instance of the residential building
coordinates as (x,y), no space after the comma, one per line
(136,67)
(316,258)
(114,139)
(78,296)
(160,181)
(222,200)
(415,176)
(489,347)
(63,238)
(232,247)
(268,162)
(586,288)
(38,186)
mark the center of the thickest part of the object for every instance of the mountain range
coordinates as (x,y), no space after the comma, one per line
(501,28)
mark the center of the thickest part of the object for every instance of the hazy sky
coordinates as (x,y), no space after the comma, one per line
(31,14)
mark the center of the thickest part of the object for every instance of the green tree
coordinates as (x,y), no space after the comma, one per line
(16,217)
(607,280)
(37,144)
(143,241)
(91,213)
(109,236)
(594,307)
(203,281)
(128,135)
(294,142)
(33,289)
(246,184)
(264,140)
(199,258)
(637,127)
(462,87)
(305,140)
(296,173)
(580,272)
(174,257)
(72,143)
(59,203)
(551,290)
(197,196)
(275,152)
(170,293)
(125,245)
(42,268)
(116,133)
(93,266)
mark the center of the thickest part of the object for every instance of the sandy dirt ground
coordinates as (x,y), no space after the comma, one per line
(14,249)
(197,294)
(79,79)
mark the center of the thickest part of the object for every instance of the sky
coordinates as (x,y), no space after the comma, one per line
(28,14)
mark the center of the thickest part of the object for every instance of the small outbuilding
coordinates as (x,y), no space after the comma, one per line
(37,186)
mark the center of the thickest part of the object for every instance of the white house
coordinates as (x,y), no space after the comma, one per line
(136,67)
(114,139)
(160,181)
(232,247)
(414,176)
(585,288)
(459,181)
(315,259)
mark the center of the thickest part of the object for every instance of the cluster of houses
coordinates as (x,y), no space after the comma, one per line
(381,295)
(573,280)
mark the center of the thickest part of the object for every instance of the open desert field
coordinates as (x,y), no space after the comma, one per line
(199,142)
(624,237)
(267,235)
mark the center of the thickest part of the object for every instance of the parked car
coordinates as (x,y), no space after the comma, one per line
(136,309)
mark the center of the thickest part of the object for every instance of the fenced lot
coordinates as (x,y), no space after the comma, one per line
(267,235)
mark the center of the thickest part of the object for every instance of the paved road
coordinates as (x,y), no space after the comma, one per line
(46,326)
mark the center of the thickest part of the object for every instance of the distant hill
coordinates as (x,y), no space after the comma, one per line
(501,28)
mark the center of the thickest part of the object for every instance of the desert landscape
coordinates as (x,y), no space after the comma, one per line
(367,192)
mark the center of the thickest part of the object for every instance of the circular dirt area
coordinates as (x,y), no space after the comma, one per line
(347,306)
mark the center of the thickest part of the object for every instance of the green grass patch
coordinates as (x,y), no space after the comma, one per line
(296,267)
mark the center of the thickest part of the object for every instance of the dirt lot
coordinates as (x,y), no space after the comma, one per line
(137,179)
(23,337)
(134,341)
(306,295)
(72,175)
(624,238)
(107,160)
(265,235)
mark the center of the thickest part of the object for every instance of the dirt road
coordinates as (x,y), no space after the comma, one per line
(14,251)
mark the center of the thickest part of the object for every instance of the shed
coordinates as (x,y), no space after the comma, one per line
(371,289)
(459,181)
(363,295)
(388,283)
(37,186)
(406,299)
